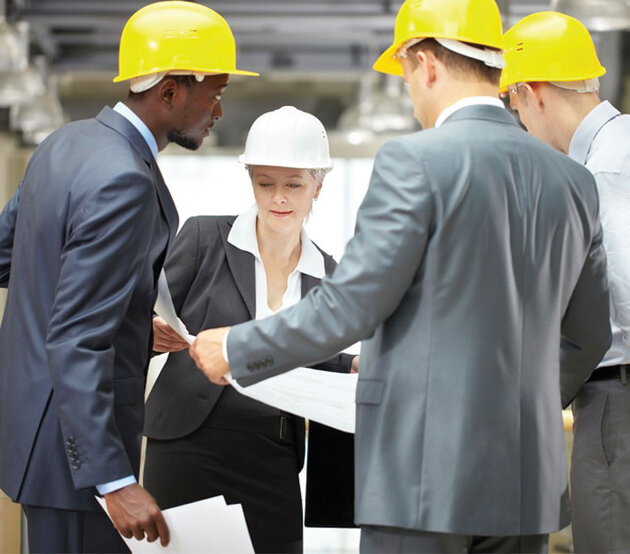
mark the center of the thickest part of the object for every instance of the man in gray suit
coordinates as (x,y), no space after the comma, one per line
(552,79)
(476,275)
(82,244)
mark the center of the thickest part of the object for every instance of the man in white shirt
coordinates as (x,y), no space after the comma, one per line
(477,249)
(551,77)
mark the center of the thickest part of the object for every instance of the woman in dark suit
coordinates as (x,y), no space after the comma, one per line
(205,440)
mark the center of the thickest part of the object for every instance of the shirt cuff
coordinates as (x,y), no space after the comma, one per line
(115,485)
(224,348)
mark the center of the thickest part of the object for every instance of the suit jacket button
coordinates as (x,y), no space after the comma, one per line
(76,465)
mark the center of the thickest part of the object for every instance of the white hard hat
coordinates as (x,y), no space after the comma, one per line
(287,137)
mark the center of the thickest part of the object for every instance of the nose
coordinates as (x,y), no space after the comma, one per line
(278,195)
(217,113)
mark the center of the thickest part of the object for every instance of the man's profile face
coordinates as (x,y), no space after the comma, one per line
(198,110)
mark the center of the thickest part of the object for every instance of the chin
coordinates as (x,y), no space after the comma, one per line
(183,140)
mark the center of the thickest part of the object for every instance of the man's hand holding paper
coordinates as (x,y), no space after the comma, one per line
(207,352)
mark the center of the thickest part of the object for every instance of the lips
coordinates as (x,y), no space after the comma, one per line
(280,214)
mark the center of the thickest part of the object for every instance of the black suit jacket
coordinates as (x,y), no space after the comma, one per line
(212,284)
(82,244)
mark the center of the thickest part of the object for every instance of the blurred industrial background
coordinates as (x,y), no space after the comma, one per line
(58,59)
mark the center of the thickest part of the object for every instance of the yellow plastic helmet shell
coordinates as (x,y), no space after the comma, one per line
(549,46)
(475,21)
(175,35)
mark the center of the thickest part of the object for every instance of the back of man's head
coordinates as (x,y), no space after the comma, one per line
(456,31)
(461,67)
(551,47)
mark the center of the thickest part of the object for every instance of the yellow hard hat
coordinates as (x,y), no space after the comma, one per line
(549,46)
(474,21)
(175,35)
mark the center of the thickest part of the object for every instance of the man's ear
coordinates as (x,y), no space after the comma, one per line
(535,94)
(167,90)
(427,63)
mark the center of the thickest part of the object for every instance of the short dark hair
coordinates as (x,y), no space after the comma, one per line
(457,63)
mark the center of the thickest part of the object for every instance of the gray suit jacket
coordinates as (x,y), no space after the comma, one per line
(475,276)
(82,243)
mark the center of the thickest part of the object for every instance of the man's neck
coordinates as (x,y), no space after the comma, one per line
(457,90)
(571,114)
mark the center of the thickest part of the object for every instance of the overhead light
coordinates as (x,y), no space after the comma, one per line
(43,114)
(597,15)
(10,54)
(21,82)
(382,108)
(392,109)
(354,122)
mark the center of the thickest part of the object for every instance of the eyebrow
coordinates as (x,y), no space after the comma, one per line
(296,176)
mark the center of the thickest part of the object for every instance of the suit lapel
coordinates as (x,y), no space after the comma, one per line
(242,266)
(308,282)
(121,125)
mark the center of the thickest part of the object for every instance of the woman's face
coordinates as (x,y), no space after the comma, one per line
(284,196)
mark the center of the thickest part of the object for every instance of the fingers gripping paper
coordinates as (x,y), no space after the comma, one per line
(208,525)
(323,396)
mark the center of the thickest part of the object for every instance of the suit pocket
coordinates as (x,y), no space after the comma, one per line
(369,392)
(129,390)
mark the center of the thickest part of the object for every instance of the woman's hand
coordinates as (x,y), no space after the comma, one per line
(165,339)
(354,368)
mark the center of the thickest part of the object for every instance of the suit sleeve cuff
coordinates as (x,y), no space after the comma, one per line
(224,347)
(115,485)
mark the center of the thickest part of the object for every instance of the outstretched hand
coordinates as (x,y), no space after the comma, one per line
(207,353)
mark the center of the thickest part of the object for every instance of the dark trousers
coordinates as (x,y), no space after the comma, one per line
(249,460)
(387,540)
(51,530)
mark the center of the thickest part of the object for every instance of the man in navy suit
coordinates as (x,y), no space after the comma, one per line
(82,243)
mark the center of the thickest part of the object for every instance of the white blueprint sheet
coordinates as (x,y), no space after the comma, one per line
(205,526)
(323,396)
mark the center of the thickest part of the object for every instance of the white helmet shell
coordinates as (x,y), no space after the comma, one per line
(287,137)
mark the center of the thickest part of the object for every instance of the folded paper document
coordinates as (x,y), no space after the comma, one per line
(323,396)
(208,525)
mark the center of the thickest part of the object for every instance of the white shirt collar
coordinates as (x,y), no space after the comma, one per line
(140,125)
(243,236)
(588,128)
(464,103)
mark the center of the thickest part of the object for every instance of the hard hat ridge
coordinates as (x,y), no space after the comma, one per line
(551,47)
(176,36)
(476,22)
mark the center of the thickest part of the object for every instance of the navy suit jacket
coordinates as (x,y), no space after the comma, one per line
(213,283)
(82,243)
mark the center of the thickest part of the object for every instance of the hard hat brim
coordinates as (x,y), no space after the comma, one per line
(539,78)
(388,63)
(120,78)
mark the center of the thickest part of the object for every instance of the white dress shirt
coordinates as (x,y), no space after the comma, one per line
(602,143)
(465,102)
(311,262)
